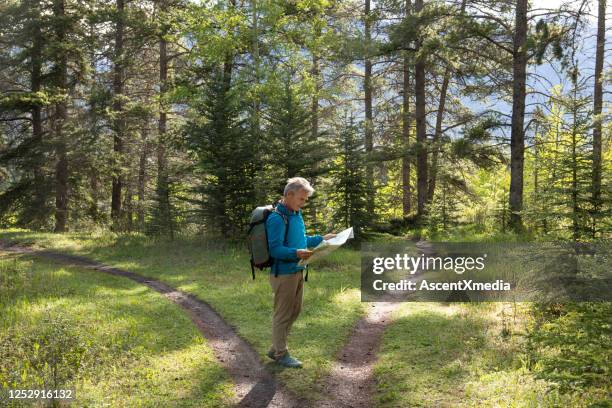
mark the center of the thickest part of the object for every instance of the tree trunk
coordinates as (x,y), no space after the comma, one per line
(517,142)
(421,136)
(406,193)
(142,173)
(36,81)
(129,207)
(61,114)
(119,123)
(314,128)
(36,112)
(163,197)
(536,168)
(369,129)
(438,135)
(597,107)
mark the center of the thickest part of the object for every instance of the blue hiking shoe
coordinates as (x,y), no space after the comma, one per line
(289,361)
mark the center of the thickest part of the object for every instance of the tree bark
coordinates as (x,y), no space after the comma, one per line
(438,135)
(36,112)
(142,174)
(369,129)
(119,123)
(406,193)
(597,108)
(61,114)
(36,80)
(421,136)
(314,127)
(517,141)
(163,197)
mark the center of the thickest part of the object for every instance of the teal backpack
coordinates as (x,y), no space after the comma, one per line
(257,237)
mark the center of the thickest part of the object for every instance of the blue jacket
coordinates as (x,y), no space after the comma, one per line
(285,254)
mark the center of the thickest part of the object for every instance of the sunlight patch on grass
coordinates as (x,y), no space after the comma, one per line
(219,273)
(135,348)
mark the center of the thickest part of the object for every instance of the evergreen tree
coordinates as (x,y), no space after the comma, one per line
(220,140)
(443,212)
(293,150)
(349,182)
(564,164)
(27,181)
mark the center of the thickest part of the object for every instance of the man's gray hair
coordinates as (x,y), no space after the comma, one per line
(297,184)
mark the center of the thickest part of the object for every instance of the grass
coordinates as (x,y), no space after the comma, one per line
(466,355)
(220,274)
(434,354)
(118,343)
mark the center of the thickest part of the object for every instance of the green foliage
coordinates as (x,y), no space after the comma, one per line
(225,155)
(570,344)
(290,148)
(561,167)
(476,144)
(349,191)
(443,213)
(49,358)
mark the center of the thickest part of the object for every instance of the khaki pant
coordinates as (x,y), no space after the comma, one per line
(288,292)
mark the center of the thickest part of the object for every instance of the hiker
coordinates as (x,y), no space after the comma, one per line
(288,243)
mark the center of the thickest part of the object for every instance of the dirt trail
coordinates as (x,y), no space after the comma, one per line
(255,385)
(351,383)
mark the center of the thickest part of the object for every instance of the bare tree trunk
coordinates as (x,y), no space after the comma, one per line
(314,128)
(129,207)
(369,127)
(61,114)
(162,188)
(406,193)
(119,123)
(421,136)
(142,174)
(438,135)
(536,164)
(94,186)
(36,112)
(597,107)
(517,142)
(36,79)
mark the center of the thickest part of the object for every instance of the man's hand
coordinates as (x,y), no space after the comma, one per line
(303,253)
(329,236)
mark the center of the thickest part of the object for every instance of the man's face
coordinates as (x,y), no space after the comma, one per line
(296,199)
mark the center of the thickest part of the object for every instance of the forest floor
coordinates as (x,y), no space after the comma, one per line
(355,354)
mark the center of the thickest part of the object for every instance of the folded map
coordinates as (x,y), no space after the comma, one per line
(325,247)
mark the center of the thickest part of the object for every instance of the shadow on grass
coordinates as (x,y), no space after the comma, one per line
(219,273)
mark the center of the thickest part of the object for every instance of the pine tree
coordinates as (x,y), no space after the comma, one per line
(349,181)
(224,151)
(27,188)
(443,211)
(564,164)
(293,150)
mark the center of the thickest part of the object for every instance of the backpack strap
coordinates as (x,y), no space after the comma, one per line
(286,220)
